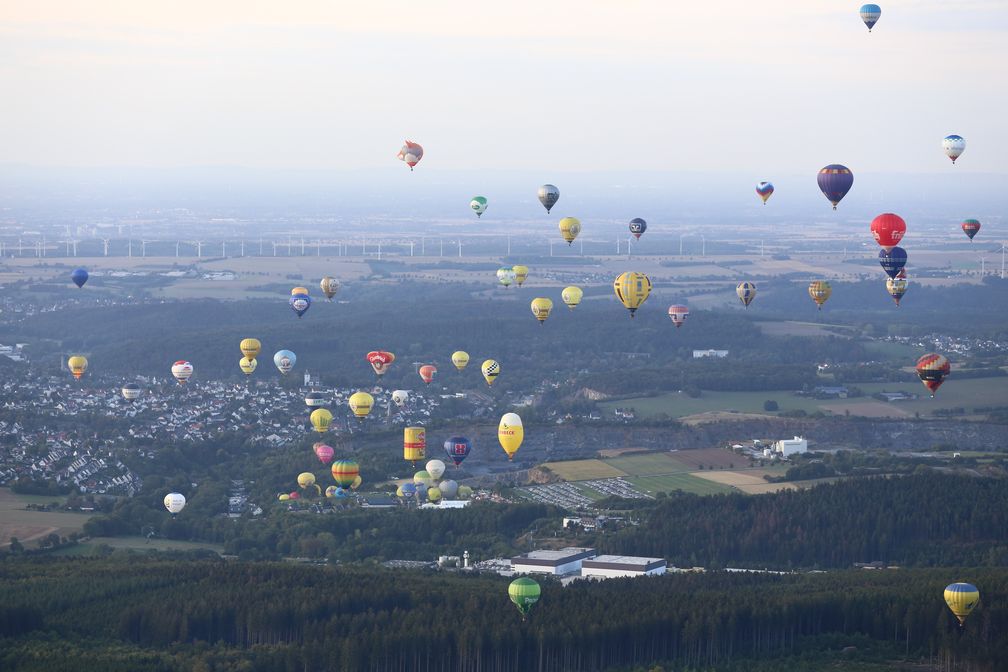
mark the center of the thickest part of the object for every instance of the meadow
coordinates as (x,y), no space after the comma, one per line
(30,526)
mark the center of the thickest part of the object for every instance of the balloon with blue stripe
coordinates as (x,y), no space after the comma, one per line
(870,15)
(893,260)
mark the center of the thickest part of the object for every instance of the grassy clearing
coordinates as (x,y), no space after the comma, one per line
(584,470)
(684,482)
(649,464)
(30,526)
(94,545)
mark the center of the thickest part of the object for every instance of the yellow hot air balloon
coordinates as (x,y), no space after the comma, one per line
(329,287)
(510,433)
(299,290)
(632,289)
(460,358)
(306,479)
(77,365)
(360,403)
(570,227)
(820,291)
(284,497)
(491,369)
(571,296)
(320,419)
(520,273)
(247,365)
(541,308)
(250,347)
(961,598)
(356,482)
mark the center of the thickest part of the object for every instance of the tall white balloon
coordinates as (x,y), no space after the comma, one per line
(174,502)
(954,146)
(436,469)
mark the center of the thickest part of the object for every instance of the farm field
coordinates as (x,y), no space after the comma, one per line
(92,546)
(685,482)
(649,463)
(30,526)
(709,458)
(584,470)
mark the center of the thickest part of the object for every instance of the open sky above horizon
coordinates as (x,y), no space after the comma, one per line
(771,87)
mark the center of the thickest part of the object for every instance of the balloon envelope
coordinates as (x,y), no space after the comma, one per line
(524,593)
(637,227)
(820,291)
(510,434)
(570,227)
(457,448)
(344,472)
(427,373)
(460,358)
(324,453)
(410,154)
(870,15)
(79,276)
(548,196)
(436,469)
(893,260)
(329,286)
(400,397)
(380,361)
(478,205)
(284,360)
(953,146)
(300,303)
(520,274)
(888,230)
(632,289)
(247,365)
(962,598)
(541,308)
(971,227)
(250,347)
(131,391)
(835,181)
(932,369)
(360,403)
(77,365)
(506,276)
(174,502)
(490,369)
(764,190)
(746,292)
(320,419)
(182,370)
(571,296)
(678,314)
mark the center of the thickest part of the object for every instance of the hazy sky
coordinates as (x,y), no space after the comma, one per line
(766,87)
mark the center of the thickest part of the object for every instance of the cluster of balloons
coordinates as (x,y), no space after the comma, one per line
(345,473)
(888,230)
(428,483)
(514,274)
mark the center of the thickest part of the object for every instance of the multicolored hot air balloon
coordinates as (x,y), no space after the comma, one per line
(320,419)
(678,314)
(505,276)
(324,452)
(870,15)
(490,369)
(414,444)
(888,230)
(248,366)
(299,290)
(380,361)
(548,196)
(427,373)
(953,146)
(79,277)
(250,347)
(971,227)
(284,360)
(329,287)
(131,391)
(962,598)
(820,291)
(77,365)
(637,227)
(570,227)
(524,593)
(632,289)
(316,399)
(520,274)
(892,260)
(457,448)
(410,154)
(174,502)
(541,308)
(360,403)
(835,181)
(460,358)
(932,369)
(746,292)
(344,472)
(478,205)
(571,296)
(300,303)
(182,370)
(764,190)
(510,433)
(897,287)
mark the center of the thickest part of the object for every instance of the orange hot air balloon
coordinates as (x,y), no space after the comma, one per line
(427,373)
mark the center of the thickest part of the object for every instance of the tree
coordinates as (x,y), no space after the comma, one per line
(770,405)
(15,545)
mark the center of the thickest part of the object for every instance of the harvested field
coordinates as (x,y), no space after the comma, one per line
(684,482)
(867,409)
(708,457)
(732,478)
(583,470)
(30,526)
(650,464)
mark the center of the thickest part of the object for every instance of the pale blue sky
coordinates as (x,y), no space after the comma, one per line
(769,88)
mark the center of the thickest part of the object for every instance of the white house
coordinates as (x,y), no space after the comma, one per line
(564,561)
(607,566)
(791,446)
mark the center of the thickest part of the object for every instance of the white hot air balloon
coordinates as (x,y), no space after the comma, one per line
(400,397)
(436,469)
(954,146)
(174,502)
(182,370)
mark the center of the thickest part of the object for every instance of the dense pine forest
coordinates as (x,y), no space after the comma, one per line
(169,614)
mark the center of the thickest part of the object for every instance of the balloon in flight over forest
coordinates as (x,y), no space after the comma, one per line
(320,419)
(520,274)
(457,448)
(888,230)
(897,287)
(174,502)
(510,434)
(306,479)
(410,154)
(77,365)
(632,289)
(182,370)
(400,397)
(324,452)
(953,146)
(300,303)
(360,403)
(820,291)
(932,369)
(541,308)
(524,593)
(427,373)
(971,227)
(380,361)
(460,358)
(490,370)
(571,296)
(284,360)
(344,472)
(834,182)
(746,292)
(870,15)
(678,314)
(247,365)
(250,347)
(79,276)
(570,227)
(962,599)
(548,196)
(329,287)
(764,190)
(637,227)
(414,444)
(478,205)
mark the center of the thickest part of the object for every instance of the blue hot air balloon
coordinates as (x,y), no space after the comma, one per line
(892,261)
(870,15)
(637,227)
(79,277)
(285,361)
(835,181)
(300,303)
(408,489)
(457,448)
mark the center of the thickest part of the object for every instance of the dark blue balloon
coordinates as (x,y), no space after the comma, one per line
(300,303)
(637,227)
(893,261)
(457,448)
(79,277)
(408,489)
(835,181)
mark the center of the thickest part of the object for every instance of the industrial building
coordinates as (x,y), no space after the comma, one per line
(608,566)
(791,446)
(565,561)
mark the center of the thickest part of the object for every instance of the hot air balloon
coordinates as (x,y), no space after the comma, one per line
(299,290)
(464,492)
(892,260)
(300,303)
(414,444)
(510,433)
(324,453)
(888,230)
(294,495)
(764,190)
(820,291)
(247,365)
(344,472)
(330,492)
(284,361)
(520,274)
(505,276)
(541,308)
(400,397)
(478,205)
(570,227)
(434,494)
(571,296)
(897,287)
(380,361)
(524,592)
(637,227)
(182,370)
(460,358)
(835,181)
(932,369)
(962,598)
(448,488)
(436,469)
(250,347)
(283,497)
(678,314)
(174,502)
(422,478)
(970,227)
(746,292)
(548,196)
(320,419)
(77,365)
(79,276)
(427,373)
(329,287)
(954,146)
(870,15)
(131,391)
(316,399)
(632,289)
(408,489)
(490,369)
(410,154)
(360,403)
(457,448)
(356,482)
(305,479)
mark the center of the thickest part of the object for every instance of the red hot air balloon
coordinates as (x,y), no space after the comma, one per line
(324,453)
(410,154)
(888,230)
(380,360)
(678,314)
(427,373)
(971,227)
(932,369)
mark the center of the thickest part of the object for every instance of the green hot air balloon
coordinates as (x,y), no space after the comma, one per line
(478,205)
(524,592)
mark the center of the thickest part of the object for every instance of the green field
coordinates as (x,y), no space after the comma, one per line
(30,526)
(93,545)
(684,482)
(583,470)
(647,464)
